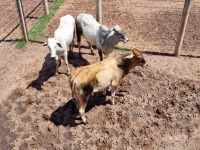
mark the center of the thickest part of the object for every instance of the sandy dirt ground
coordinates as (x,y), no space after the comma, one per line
(156,107)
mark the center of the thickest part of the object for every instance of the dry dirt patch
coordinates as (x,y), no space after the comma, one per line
(156,108)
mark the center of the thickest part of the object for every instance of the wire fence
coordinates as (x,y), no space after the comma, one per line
(11,31)
(149,24)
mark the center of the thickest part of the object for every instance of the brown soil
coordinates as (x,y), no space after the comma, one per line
(156,108)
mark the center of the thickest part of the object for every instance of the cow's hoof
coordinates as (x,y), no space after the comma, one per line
(93,53)
(84,119)
(85,123)
(112,102)
(68,74)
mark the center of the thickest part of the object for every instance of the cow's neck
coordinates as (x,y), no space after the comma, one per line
(108,44)
(126,66)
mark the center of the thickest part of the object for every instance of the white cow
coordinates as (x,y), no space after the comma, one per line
(99,35)
(63,37)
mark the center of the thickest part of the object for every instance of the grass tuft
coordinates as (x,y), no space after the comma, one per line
(21,43)
(121,48)
(117,48)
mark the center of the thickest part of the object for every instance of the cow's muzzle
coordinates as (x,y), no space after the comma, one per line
(52,57)
(125,40)
(145,65)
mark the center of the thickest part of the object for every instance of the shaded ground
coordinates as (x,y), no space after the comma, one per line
(156,108)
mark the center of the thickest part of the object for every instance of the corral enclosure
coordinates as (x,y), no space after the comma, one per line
(156,108)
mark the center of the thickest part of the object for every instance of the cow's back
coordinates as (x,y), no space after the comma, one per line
(99,75)
(67,20)
(86,19)
(65,31)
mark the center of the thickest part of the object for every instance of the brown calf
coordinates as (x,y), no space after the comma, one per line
(101,75)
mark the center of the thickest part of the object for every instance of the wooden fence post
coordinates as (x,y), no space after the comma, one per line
(99,11)
(46,7)
(184,20)
(22,19)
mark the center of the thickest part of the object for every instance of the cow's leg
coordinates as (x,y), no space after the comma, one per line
(79,48)
(78,35)
(113,90)
(58,61)
(100,54)
(82,113)
(66,62)
(82,103)
(57,65)
(105,56)
(104,92)
(72,43)
(91,49)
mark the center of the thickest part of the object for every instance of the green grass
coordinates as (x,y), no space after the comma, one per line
(37,28)
(117,48)
(21,43)
(121,48)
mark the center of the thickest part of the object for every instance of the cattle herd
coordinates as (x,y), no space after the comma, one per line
(100,76)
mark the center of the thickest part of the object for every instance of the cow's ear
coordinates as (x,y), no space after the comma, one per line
(136,52)
(45,44)
(129,56)
(59,45)
(110,34)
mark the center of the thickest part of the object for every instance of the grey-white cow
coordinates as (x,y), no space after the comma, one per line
(99,35)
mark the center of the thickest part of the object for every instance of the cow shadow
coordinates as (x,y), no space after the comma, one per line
(67,115)
(158,53)
(47,71)
(49,68)
(76,60)
(168,54)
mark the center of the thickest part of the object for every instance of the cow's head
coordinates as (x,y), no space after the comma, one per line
(53,46)
(119,34)
(137,58)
